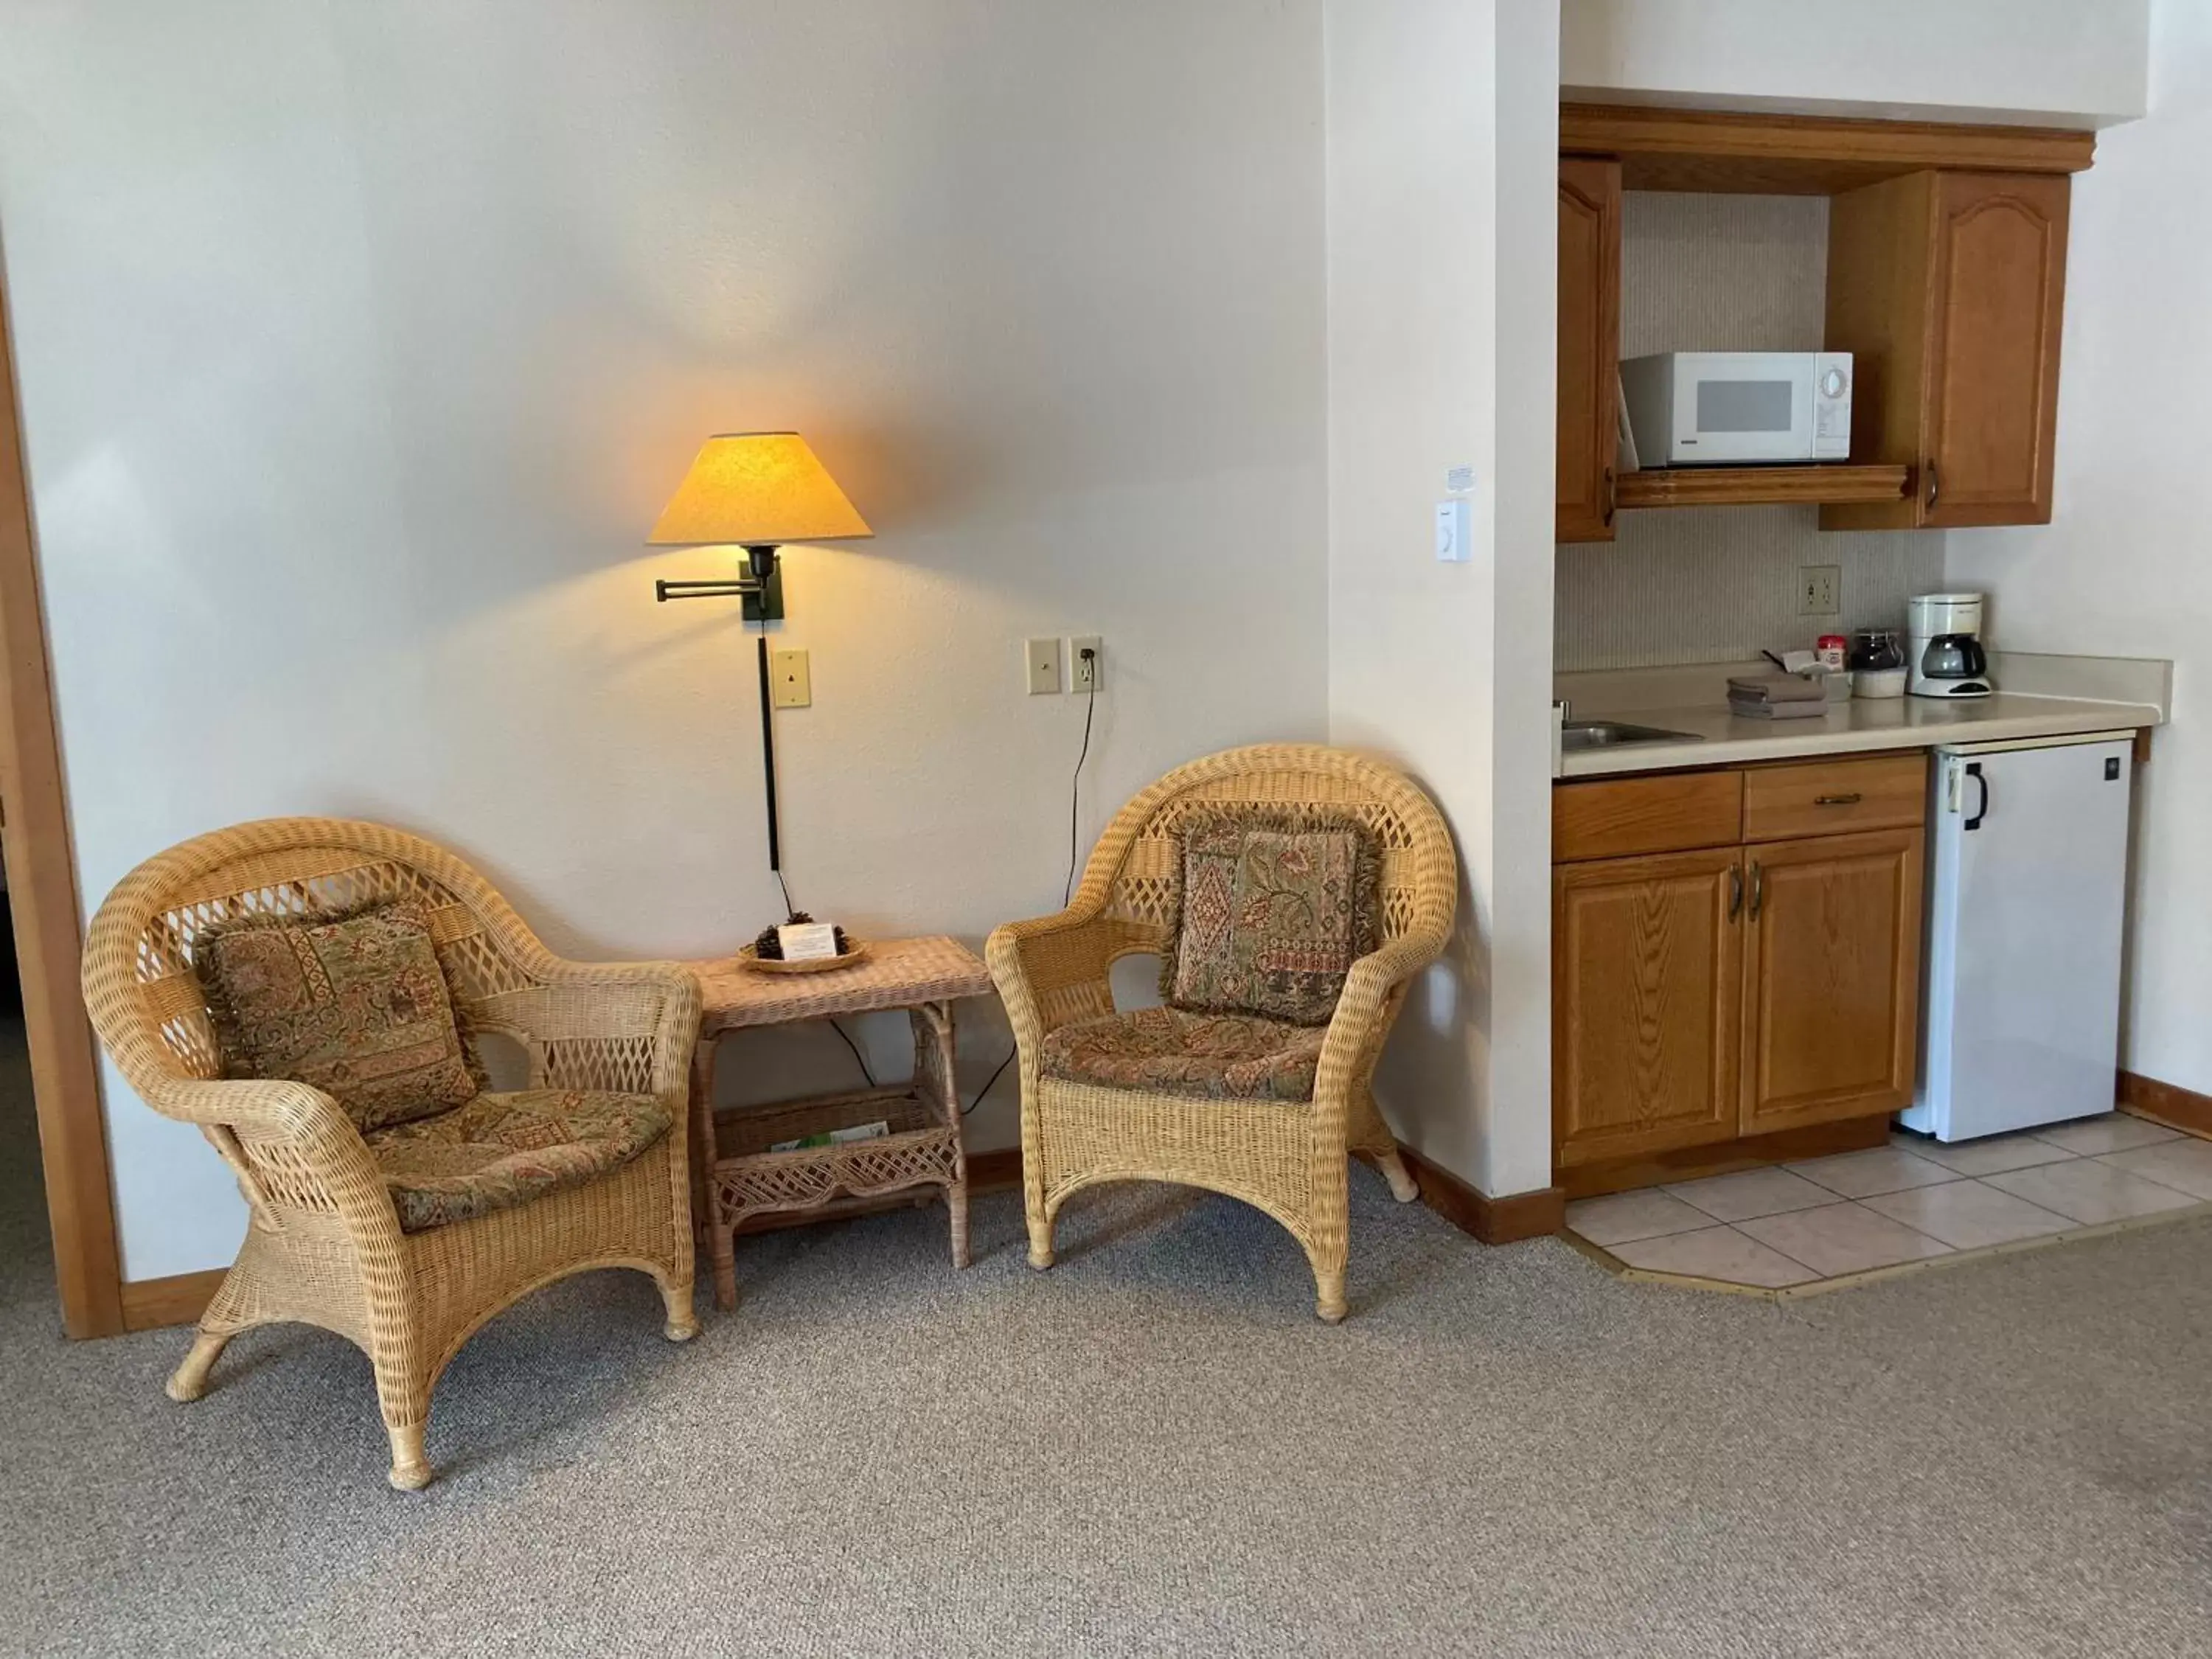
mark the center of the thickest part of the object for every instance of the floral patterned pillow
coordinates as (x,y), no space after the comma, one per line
(357,1006)
(1274,913)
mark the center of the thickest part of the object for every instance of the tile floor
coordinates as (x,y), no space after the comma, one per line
(1800,1225)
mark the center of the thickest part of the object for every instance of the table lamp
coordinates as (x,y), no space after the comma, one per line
(760,491)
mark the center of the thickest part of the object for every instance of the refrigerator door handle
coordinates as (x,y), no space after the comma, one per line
(1982,807)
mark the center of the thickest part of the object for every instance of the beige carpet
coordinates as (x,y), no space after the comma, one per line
(1152,1449)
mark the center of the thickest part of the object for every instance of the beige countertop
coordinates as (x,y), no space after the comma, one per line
(1861,726)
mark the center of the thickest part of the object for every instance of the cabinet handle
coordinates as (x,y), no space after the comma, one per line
(1609,498)
(1735,891)
(1758,887)
(1934,483)
(1852,799)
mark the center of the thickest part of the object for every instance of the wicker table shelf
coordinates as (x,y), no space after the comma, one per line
(742,1183)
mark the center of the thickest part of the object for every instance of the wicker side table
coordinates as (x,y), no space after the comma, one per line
(739,1179)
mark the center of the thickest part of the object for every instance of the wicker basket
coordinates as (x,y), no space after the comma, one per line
(856,950)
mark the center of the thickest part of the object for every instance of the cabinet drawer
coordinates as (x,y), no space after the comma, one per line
(1619,817)
(1781,803)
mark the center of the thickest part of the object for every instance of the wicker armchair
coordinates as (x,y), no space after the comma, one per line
(325,1245)
(1288,1157)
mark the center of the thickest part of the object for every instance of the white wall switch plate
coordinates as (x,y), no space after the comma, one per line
(1820,590)
(1085,676)
(1042,659)
(789,678)
(1455,532)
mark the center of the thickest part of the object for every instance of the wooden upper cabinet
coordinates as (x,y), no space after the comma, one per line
(1590,347)
(1647,958)
(1831,978)
(1947,289)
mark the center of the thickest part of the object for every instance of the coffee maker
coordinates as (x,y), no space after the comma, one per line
(1944,651)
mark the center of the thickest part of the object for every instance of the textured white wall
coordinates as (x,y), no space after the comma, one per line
(1443,147)
(2122,569)
(360,345)
(2061,63)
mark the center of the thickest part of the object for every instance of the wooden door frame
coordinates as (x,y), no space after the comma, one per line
(42,890)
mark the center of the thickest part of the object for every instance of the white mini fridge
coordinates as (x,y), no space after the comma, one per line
(2027,868)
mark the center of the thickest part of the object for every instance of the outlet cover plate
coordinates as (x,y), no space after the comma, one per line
(1086,677)
(790,679)
(1041,661)
(1820,590)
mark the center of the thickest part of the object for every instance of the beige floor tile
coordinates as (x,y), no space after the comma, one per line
(1980,1158)
(1751,1192)
(1878,1169)
(1843,1238)
(1618,1217)
(2114,1132)
(2185,1164)
(2089,1190)
(1720,1252)
(1969,1215)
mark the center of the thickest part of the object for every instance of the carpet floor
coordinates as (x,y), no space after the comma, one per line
(1154,1448)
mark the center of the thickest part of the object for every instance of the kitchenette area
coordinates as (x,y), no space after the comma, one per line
(1839,884)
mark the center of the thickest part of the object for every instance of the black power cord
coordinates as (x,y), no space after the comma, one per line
(1074,844)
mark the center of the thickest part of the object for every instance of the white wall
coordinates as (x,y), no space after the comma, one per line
(358,347)
(2122,569)
(1442,233)
(2058,63)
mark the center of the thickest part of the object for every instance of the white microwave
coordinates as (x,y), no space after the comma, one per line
(1693,408)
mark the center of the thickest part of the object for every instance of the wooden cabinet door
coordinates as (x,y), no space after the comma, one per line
(1590,347)
(1997,282)
(1831,978)
(1647,978)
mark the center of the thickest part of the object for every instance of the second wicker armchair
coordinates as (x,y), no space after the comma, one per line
(1262,1108)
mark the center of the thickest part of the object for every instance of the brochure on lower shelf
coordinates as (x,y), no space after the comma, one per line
(833,1138)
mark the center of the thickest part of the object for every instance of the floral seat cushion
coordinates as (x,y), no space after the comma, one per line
(502,1150)
(1273,913)
(1175,1051)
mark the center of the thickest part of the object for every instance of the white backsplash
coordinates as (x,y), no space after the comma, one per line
(1724,273)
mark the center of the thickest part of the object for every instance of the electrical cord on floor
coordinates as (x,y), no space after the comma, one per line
(1074,847)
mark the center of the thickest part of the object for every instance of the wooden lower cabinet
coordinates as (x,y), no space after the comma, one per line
(1647,1001)
(1831,978)
(1750,990)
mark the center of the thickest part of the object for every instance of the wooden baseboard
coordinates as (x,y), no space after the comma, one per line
(150,1304)
(1622,1174)
(1505,1220)
(2166,1103)
(988,1172)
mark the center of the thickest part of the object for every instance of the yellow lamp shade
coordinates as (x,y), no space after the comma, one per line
(757,489)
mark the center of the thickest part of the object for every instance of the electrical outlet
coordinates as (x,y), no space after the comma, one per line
(1040,660)
(1820,590)
(1084,675)
(790,679)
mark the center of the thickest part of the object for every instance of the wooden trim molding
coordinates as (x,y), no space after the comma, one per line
(148,1304)
(1752,486)
(1505,1220)
(42,890)
(2166,1103)
(1803,154)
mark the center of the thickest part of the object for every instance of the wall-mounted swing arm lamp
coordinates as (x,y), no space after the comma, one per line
(760,491)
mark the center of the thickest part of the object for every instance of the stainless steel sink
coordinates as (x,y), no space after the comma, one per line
(1609,734)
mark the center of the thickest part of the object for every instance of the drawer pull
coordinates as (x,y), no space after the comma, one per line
(1851,800)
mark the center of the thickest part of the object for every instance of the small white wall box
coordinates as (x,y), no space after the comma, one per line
(1455,532)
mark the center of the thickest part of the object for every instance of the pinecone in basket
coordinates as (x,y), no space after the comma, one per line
(769,947)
